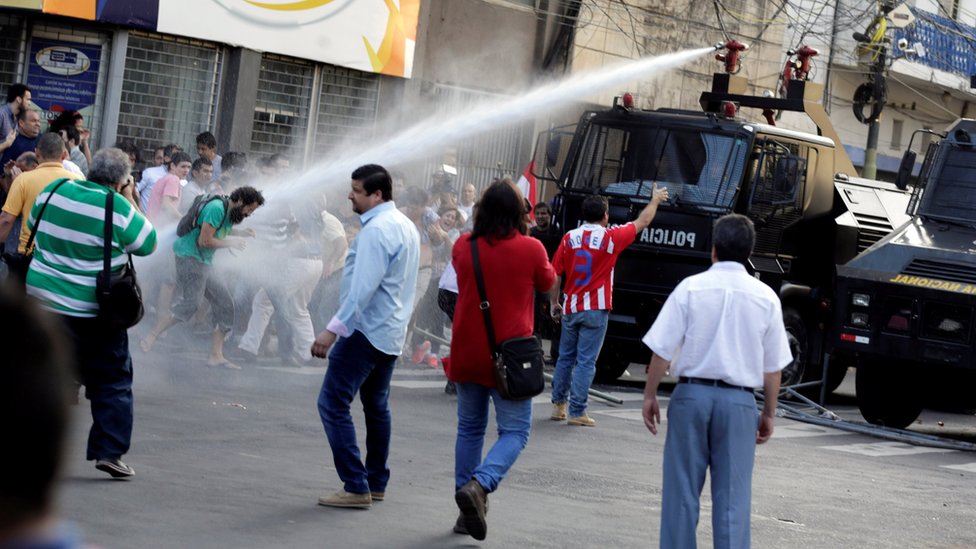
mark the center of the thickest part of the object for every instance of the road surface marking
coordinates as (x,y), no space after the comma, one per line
(969,467)
(803,431)
(884,449)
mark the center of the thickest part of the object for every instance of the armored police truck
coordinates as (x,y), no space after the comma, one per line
(905,305)
(798,188)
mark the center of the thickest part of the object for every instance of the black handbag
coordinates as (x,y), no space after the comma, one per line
(118,294)
(19,263)
(517,362)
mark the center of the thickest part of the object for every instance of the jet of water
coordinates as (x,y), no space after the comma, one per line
(438,131)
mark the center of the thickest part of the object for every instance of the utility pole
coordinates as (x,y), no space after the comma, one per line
(870,169)
(873,93)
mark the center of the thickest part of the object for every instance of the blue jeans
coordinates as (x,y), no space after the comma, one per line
(355,365)
(708,428)
(514,419)
(103,365)
(582,339)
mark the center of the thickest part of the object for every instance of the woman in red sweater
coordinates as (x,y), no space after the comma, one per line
(513,266)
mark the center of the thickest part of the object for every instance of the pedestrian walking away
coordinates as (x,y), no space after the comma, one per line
(729,328)
(365,337)
(514,266)
(586,257)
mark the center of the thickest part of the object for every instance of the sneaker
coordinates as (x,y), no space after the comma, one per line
(377,496)
(470,500)
(582,421)
(115,467)
(559,412)
(348,500)
(420,352)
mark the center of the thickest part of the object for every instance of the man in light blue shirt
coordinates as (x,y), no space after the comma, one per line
(376,300)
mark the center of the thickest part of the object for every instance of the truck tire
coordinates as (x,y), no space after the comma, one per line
(836,374)
(887,393)
(796,335)
(611,364)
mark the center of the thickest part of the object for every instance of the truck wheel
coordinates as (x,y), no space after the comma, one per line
(796,335)
(887,394)
(610,365)
(836,374)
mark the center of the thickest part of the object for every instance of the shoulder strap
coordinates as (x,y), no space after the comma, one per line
(483,305)
(107,245)
(37,222)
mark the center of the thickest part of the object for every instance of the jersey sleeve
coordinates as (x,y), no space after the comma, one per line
(623,236)
(138,236)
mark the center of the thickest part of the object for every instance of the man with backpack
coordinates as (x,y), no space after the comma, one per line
(202,231)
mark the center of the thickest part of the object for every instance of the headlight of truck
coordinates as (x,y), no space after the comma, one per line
(859,319)
(861,300)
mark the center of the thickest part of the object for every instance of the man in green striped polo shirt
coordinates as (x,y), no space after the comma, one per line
(68,255)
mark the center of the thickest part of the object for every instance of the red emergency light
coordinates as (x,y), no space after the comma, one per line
(731,58)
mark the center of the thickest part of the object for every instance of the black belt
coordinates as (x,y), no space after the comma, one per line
(713,383)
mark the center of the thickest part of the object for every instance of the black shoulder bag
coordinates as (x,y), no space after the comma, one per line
(19,263)
(118,294)
(517,362)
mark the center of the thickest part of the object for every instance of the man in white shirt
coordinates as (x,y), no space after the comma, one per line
(728,327)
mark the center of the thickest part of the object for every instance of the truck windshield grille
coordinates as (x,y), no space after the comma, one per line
(953,196)
(941,270)
(695,166)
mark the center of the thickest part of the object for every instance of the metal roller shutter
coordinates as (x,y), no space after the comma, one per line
(12,50)
(169,91)
(281,111)
(347,108)
(486,156)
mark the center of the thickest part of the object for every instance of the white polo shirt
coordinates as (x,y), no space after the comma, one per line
(727,326)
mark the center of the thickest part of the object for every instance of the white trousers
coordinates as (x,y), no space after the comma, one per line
(298,282)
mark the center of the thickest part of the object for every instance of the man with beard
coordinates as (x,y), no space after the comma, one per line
(194,255)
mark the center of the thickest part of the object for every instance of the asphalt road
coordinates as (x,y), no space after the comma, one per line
(238,459)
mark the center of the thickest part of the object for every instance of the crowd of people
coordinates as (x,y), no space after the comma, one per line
(386,272)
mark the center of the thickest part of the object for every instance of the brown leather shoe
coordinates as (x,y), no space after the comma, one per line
(582,421)
(470,500)
(459,527)
(346,499)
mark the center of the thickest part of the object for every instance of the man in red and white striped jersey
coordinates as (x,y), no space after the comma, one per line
(585,259)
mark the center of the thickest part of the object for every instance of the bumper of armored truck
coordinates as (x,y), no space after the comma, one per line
(904,318)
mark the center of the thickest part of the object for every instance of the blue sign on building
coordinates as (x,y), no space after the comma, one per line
(63,75)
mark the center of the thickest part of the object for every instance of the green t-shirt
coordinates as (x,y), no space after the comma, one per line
(212,214)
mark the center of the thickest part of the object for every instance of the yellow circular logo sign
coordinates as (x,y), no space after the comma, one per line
(277,13)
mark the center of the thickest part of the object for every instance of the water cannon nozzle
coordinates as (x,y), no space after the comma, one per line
(719,46)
